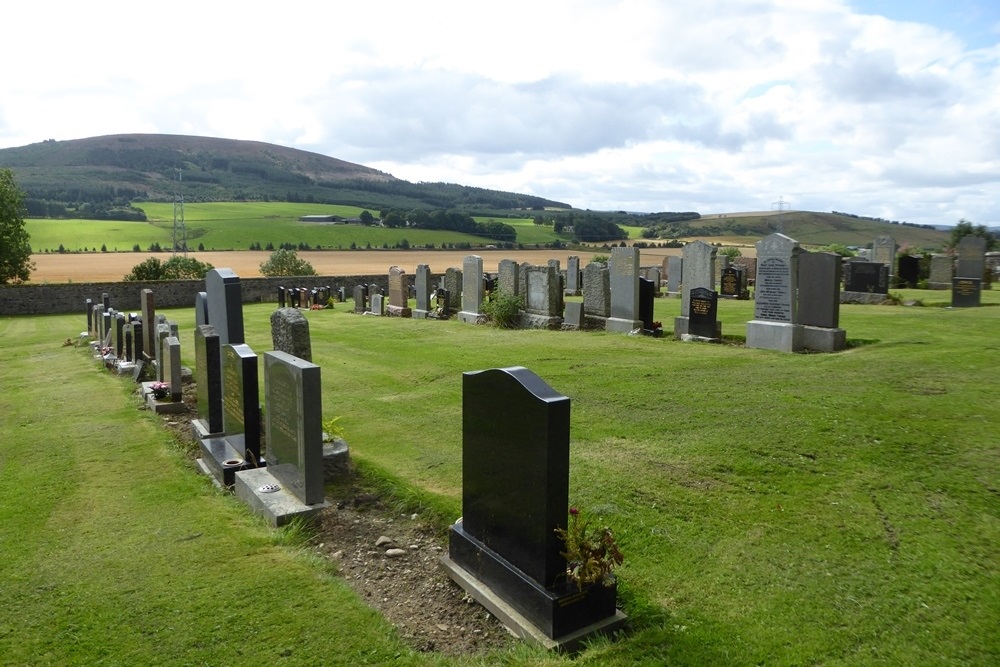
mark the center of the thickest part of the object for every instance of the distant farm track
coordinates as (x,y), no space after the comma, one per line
(105,267)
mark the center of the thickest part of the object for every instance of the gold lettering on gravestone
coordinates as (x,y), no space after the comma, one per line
(700,307)
(232,384)
(283,415)
(729,284)
(965,287)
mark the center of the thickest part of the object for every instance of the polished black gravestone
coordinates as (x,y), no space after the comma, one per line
(208,381)
(281,297)
(239,448)
(90,316)
(966,292)
(870,277)
(733,283)
(703,312)
(908,271)
(225,305)
(515,487)
(647,292)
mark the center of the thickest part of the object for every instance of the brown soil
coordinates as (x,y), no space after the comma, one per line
(430,612)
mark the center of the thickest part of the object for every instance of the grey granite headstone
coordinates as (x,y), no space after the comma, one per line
(507,277)
(96,314)
(294,425)
(543,297)
(819,301)
(472,289)
(971,257)
(424,288)
(573,315)
(698,270)
(201,309)
(624,276)
(171,363)
(884,252)
(453,283)
(515,490)
(653,276)
(596,290)
(775,325)
(360,299)
(675,268)
(941,271)
(573,276)
(225,305)
(377,305)
(290,333)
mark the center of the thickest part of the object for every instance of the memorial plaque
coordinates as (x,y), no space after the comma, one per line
(703,313)
(966,292)
(294,418)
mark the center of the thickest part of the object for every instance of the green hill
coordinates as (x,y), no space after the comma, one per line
(100,177)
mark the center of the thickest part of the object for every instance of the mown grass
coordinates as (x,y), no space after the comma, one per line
(780,509)
(236,225)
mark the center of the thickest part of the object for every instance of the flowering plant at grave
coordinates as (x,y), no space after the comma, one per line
(160,389)
(657,325)
(591,554)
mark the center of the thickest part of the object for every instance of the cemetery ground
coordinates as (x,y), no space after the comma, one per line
(772,508)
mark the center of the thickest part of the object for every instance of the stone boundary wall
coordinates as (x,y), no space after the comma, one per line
(62,298)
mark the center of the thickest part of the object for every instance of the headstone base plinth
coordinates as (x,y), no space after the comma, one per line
(398,311)
(557,617)
(533,321)
(780,336)
(471,318)
(278,507)
(618,325)
(594,322)
(867,298)
(200,431)
(823,339)
(336,459)
(691,338)
(680,327)
(418,314)
(125,368)
(223,460)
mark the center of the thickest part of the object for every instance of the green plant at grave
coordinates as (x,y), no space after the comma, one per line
(503,309)
(284,262)
(332,429)
(600,259)
(591,554)
(160,390)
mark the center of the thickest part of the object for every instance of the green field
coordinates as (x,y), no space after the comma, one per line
(229,225)
(836,509)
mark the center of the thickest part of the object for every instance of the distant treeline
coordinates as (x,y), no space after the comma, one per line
(96,203)
(449,220)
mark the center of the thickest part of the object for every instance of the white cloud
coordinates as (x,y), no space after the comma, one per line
(621,104)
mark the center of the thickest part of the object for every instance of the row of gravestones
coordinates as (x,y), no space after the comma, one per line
(504,551)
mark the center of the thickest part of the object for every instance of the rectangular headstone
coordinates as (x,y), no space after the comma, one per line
(90,316)
(453,283)
(241,400)
(129,350)
(281,297)
(138,340)
(908,271)
(870,277)
(971,257)
(573,275)
(148,310)
(596,290)
(966,292)
(775,325)
(507,277)
(819,289)
(623,271)
(399,293)
(201,309)
(119,335)
(472,289)
(646,300)
(360,298)
(942,267)
(208,377)
(422,283)
(884,252)
(225,305)
(703,313)
(675,268)
(294,419)
(171,362)
(699,270)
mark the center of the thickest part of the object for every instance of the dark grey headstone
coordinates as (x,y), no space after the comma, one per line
(908,270)
(129,349)
(281,297)
(106,301)
(201,309)
(360,298)
(819,289)
(241,400)
(423,287)
(966,292)
(294,418)
(208,377)
(971,257)
(872,277)
(171,362)
(90,316)
(225,305)
(119,335)
(703,312)
(290,333)
(139,341)
(148,310)
(647,294)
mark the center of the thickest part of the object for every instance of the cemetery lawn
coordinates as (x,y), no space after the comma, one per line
(772,508)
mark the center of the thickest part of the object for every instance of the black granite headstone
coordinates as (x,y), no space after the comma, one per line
(647,292)
(966,292)
(90,315)
(106,301)
(225,305)
(908,271)
(208,377)
(137,341)
(281,297)
(442,300)
(703,310)
(515,486)
(239,448)
(870,277)
(119,336)
(128,343)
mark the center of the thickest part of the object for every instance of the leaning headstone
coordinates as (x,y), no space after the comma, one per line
(290,333)
(515,487)
(942,267)
(239,448)
(541,308)
(422,283)
(399,293)
(294,431)
(624,276)
(573,276)
(208,383)
(148,311)
(472,290)
(775,325)
(699,271)
(675,268)
(819,301)
(225,305)
(703,315)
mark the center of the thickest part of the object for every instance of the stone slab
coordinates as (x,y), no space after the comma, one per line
(617,325)
(823,339)
(517,624)
(279,507)
(770,335)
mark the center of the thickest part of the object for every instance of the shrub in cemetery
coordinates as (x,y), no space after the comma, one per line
(503,309)
(15,251)
(285,262)
(175,268)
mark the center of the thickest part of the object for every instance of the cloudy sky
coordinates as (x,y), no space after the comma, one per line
(887,108)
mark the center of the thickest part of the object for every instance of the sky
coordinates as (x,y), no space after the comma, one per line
(881,108)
